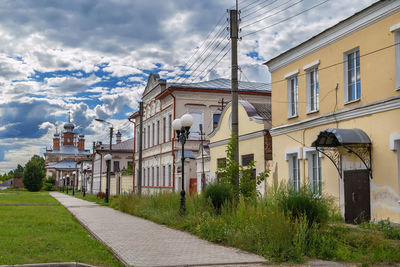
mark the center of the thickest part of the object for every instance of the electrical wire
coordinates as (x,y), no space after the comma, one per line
(286,19)
(261,8)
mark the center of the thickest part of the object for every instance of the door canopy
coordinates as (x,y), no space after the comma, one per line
(354,141)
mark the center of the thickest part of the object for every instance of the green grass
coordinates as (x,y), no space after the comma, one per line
(41,234)
(90,197)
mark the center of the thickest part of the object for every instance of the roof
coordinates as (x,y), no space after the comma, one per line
(223,84)
(257,111)
(187,154)
(332,137)
(66,165)
(126,145)
(70,150)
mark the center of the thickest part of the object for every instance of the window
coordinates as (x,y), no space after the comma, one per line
(148,136)
(144,177)
(216,117)
(169,175)
(352,76)
(164,130)
(152,134)
(294,171)
(197,120)
(312,90)
(246,160)
(158,132)
(158,176)
(315,175)
(169,127)
(148,176)
(396,30)
(116,166)
(152,176)
(163,176)
(144,138)
(292,86)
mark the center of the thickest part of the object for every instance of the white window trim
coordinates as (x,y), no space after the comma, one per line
(291,151)
(307,153)
(314,68)
(394,142)
(289,103)
(345,84)
(291,74)
(396,31)
(312,65)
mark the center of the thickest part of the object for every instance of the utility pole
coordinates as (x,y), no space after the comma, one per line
(234,34)
(108,181)
(94,154)
(139,184)
(203,175)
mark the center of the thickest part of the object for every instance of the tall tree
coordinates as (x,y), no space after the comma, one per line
(34,173)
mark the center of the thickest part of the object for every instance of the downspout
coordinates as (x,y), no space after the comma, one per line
(134,151)
(173,147)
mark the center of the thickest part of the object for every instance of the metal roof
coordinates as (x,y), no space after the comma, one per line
(126,145)
(256,111)
(66,165)
(332,137)
(187,154)
(223,84)
(70,150)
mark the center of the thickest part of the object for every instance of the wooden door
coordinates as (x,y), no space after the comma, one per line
(357,196)
(193,186)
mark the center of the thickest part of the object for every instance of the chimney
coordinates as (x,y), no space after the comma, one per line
(118,137)
(81,142)
(56,141)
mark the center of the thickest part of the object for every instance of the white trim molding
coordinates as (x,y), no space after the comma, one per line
(311,65)
(291,151)
(307,150)
(395,27)
(394,138)
(360,20)
(291,74)
(341,115)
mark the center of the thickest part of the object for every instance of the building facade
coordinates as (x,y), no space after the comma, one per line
(255,142)
(164,102)
(68,148)
(336,106)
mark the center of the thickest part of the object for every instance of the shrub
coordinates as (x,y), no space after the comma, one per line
(385,227)
(303,203)
(49,184)
(219,193)
(34,174)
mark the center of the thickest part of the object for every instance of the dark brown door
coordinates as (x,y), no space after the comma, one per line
(193,186)
(356,196)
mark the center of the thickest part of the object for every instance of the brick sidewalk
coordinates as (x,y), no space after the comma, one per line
(141,242)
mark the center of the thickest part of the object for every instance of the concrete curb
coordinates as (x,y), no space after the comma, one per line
(53,264)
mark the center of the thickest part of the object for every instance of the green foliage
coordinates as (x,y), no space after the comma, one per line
(385,227)
(34,174)
(219,193)
(247,186)
(303,204)
(49,184)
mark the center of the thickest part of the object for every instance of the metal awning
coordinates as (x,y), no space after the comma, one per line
(354,141)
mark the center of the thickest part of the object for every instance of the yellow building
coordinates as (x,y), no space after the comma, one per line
(336,113)
(254,138)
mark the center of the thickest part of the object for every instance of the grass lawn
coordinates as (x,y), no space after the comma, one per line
(90,197)
(48,233)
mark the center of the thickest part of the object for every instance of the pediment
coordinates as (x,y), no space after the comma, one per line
(153,81)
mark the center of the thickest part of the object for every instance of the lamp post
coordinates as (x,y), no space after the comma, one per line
(63,184)
(182,127)
(108,158)
(67,184)
(73,183)
(84,181)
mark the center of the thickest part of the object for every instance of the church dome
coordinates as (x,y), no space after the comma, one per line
(69,126)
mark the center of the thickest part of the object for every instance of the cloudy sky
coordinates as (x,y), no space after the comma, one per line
(93,57)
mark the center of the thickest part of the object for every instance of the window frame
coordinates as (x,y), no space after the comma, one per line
(396,31)
(357,93)
(292,98)
(294,173)
(312,88)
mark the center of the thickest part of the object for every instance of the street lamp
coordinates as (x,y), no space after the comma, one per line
(84,181)
(63,184)
(67,184)
(108,158)
(182,127)
(73,183)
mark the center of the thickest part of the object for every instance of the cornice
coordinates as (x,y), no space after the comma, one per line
(342,29)
(341,115)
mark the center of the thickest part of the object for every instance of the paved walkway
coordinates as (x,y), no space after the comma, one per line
(141,242)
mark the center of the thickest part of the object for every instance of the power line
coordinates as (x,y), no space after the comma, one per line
(261,8)
(252,3)
(304,11)
(276,13)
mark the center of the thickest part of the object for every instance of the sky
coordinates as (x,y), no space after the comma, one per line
(93,58)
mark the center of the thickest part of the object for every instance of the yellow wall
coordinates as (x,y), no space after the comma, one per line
(250,146)
(380,64)
(378,82)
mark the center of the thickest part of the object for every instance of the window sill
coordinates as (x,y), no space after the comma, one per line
(352,101)
(312,112)
(398,88)
(292,117)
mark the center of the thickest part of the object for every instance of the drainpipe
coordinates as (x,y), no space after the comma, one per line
(134,151)
(173,147)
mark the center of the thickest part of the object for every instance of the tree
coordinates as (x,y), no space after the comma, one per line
(34,173)
(18,172)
